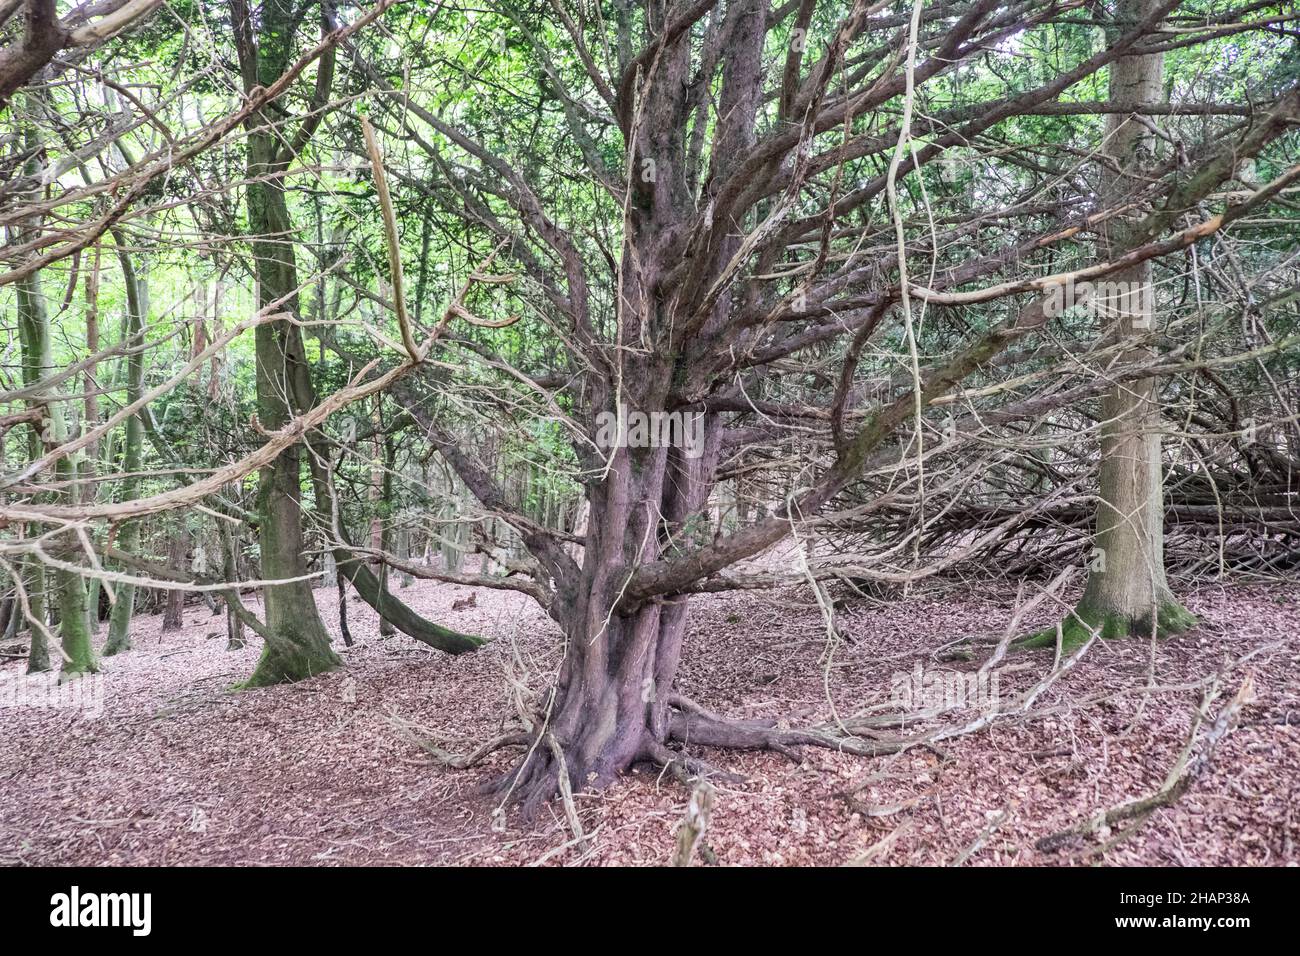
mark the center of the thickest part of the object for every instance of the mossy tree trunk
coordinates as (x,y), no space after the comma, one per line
(38,652)
(297,645)
(69,586)
(1127,592)
(35,349)
(49,432)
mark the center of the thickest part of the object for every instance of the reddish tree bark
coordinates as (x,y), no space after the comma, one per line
(174,605)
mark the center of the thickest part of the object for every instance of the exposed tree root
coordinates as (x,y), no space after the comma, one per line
(692,723)
(551,765)
(551,762)
(530,785)
(421,738)
(543,773)
(1082,623)
(690,729)
(685,769)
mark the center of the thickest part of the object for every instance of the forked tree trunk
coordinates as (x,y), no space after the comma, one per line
(1127,592)
(614,699)
(615,704)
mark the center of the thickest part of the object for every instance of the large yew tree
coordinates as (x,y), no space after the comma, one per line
(703,197)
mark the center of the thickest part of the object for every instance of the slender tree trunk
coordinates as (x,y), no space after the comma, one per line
(49,433)
(214,364)
(300,646)
(1127,592)
(36,358)
(38,651)
(174,603)
(342,583)
(69,586)
(405,579)
(11,625)
(91,406)
(453,537)
(230,572)
(384,535)
(119,618)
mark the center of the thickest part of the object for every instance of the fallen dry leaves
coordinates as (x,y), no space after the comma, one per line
(179,770)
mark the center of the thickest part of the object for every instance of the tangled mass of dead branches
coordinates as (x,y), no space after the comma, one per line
(340,293)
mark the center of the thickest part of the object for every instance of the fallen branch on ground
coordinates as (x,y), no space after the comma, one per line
(1186,769)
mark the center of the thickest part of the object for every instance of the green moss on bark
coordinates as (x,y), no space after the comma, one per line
(119,621)
(1173,618)
(286,661)
(38,656)
(75,631)
(1078,628)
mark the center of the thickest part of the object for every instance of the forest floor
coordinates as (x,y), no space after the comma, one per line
(177,769)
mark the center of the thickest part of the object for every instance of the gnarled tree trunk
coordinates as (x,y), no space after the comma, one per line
(614,699)
(614,702)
